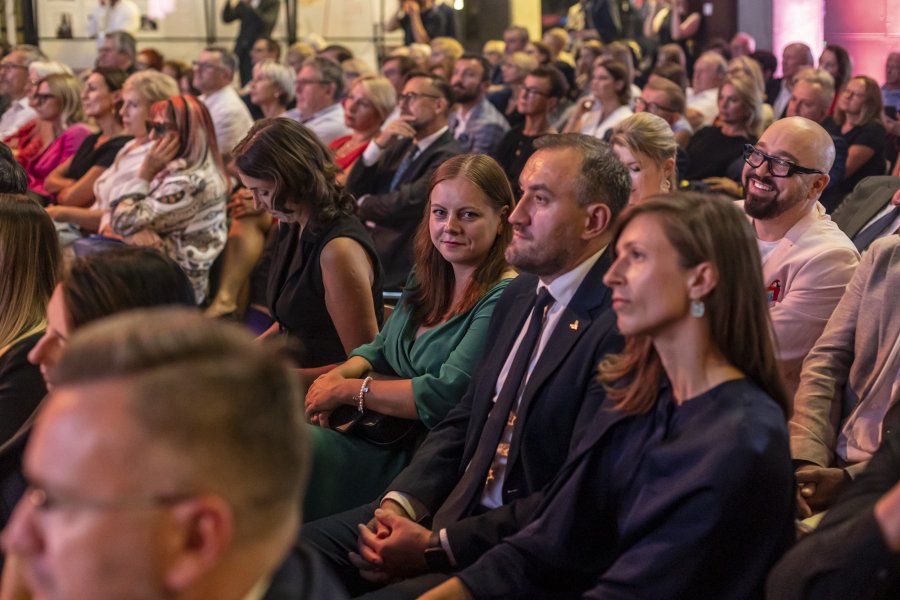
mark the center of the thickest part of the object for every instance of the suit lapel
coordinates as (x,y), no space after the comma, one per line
(879,198)
(592,296)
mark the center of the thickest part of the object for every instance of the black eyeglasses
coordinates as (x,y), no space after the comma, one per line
(159,128)
(531,91)
(778,167)
(413,96)
(651,107)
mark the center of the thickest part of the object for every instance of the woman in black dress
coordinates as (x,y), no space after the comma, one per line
(324,278)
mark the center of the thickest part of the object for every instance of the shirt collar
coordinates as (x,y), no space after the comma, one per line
(425,142)
(563,288)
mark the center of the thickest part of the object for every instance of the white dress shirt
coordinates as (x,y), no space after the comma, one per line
(18,113)
(229,115)
(328,123)
(124,16)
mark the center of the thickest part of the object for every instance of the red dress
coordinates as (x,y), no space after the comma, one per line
(346,161)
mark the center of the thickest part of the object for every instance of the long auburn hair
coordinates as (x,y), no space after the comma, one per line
(703,228)
(431,296)
(30,260)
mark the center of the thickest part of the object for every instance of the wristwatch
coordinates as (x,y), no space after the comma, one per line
(435,556)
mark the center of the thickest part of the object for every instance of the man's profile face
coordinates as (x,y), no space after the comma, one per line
(548,222)
(892,70)
(768,197)
(89,527)
(14,75)
(792,59)
(422,108)
(209,74)
(806,102)
(108,55)
(312,94)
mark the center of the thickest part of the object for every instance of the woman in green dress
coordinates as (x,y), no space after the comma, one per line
(420,364)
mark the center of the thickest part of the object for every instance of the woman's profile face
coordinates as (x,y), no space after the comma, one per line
(264,196)
(98,99)
(360,113)
(45,103)
(48,349)
(603,85)
(462,222)
(649,286)
(135,112)
(646,175)
(263,89)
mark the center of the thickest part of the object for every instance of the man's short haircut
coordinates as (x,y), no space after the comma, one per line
(716,59)
(485,65)
(329,72)
(820,78)
(125,42)
(438,83)
(341,53)
(675,99)
(558,86)
(13,179)
(272,47)
(228,58)
(32,53)
(603,177)
(672,72)
(406,64)
(520,31)
(231,409)
(766,60)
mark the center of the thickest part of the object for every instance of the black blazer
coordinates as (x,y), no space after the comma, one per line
(845,557)
(868,197)
(396,214)
(549,415)
(255,22)
(304,576)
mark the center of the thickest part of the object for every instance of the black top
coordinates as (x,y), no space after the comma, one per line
(21,386)
(872,135)
(710,153)
(513,152)
(296,292)
(433,20)
(90,155)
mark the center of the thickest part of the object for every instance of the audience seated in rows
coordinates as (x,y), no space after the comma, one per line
(646,146)
(212,75)
(320,87)
(479,474)
(476,125)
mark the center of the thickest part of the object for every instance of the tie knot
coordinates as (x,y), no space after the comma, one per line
(543,300)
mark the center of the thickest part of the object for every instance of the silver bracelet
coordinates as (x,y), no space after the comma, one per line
(361,396)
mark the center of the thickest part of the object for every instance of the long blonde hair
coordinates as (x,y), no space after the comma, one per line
(29,261)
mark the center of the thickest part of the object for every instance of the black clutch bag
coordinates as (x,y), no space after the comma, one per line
(374,427)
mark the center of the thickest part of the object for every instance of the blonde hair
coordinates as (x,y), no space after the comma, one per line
(651,136)
(447,46)
(379,91)
(67,89)
(281,75)
(493,46)
(751,98)
(749,67)
(30,261)
(152,86)
(523,62)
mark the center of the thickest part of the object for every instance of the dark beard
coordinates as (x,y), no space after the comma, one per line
(760,208)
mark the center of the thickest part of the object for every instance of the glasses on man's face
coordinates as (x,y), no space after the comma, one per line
(4,67)
(302,82)
(532,91)
(204,66)
(414,96)
(41,98)
(778,167)
(651,107)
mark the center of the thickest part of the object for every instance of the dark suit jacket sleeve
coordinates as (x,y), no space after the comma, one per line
(846,557)
(264,16)
(406,202)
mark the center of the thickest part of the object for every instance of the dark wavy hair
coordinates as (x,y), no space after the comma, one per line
(431,296)
(115,80)
(300,166)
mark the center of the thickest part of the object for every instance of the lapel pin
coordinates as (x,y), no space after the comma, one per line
(574,326)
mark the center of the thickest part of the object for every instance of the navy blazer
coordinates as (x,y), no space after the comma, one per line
(550,411)
(685,501)
(396,214)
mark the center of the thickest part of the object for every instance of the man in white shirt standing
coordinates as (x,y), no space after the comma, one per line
(113,15)
(15,84)
(320,86)
(213,76)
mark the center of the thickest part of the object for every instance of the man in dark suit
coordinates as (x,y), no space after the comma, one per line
(159,471)
(257,19)
(870,204)
(479,474)
(390,180)
(855,551)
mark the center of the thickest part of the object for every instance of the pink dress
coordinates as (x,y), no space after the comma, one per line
(54,155)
